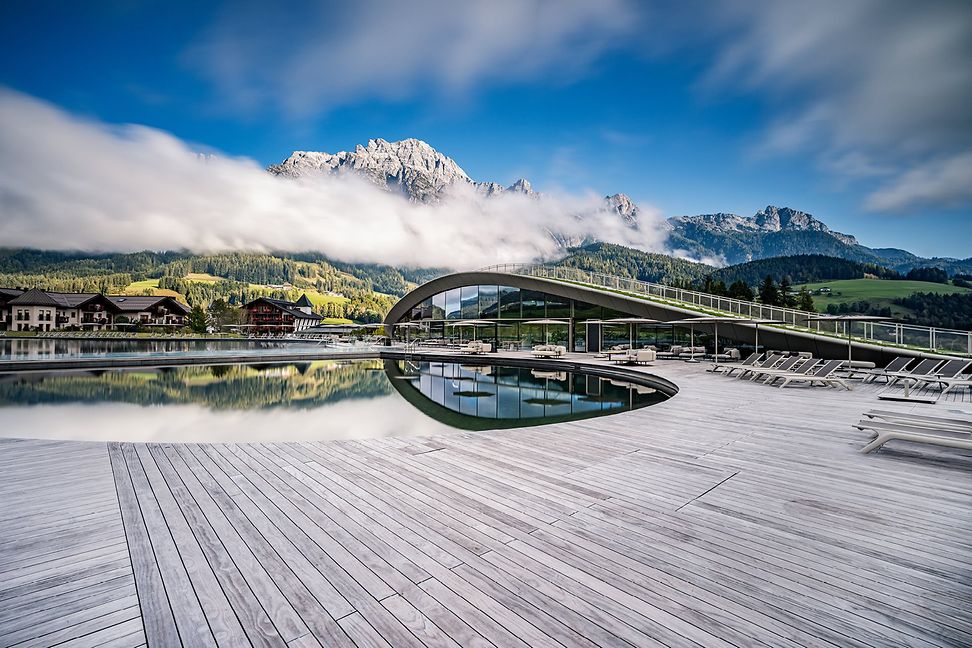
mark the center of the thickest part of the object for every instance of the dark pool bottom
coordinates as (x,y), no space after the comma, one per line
(317,400)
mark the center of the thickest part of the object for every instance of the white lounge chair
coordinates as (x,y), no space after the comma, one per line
(723,366)
(822,374)
(770,376)
(771,361)
(868,375)
(784,366)
(922,369)
(946,377)
(924,429)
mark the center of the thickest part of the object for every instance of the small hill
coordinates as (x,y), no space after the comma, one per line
(627,262)
(801,268)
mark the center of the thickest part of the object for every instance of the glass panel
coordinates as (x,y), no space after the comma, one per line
(585,311)
(438,306)
(580,337)
(488,302)
(557,306)
(509,302)
(426,312)
(452,305)
(470,302)
(533,304)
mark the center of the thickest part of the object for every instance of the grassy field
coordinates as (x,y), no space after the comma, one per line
(202,277)
(879,292)
(148,285)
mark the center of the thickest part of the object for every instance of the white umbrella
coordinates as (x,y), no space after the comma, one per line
(714,320)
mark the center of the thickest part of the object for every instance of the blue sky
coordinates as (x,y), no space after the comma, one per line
(858,115)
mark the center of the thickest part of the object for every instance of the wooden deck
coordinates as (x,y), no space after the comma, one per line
(731,515)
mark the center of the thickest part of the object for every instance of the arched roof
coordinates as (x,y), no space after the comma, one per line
(821,346)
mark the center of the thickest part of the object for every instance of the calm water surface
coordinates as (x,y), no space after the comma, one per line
(328,399)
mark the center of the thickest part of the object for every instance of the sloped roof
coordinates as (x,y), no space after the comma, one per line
(289,307)
(35,297)
(10,293)
(304,301)
(138,303)
(73,300)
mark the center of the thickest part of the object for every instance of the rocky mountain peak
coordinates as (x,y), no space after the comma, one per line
(624,207)
(522,186)
(409,166)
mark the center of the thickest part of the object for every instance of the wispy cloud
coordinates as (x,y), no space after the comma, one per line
(315,56)
(879,87)
(69,183)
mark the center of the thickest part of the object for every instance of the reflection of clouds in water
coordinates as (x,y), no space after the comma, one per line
(349,419)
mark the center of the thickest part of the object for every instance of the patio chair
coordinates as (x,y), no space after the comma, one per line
(822,374)
(884,417)
(549,351)
(868,375)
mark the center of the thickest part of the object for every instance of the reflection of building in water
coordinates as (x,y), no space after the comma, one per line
(484,396)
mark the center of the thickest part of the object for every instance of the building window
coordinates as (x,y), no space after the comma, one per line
(453,304)
(509,302)
(470,302)
(534,304)
(488,302)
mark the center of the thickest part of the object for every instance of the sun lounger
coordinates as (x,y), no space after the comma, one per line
(748,361)
(946,377)
(927,430)
(786,365)
(769,376)
(882,417)
(822,374)
(868,375)
(922,369)
(771,360)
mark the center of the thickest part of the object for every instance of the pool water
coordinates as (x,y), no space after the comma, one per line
(321,400)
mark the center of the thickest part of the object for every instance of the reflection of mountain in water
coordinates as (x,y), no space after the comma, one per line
(239,387)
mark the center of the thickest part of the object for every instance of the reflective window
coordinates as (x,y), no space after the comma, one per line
(534,304)
(488,302)
(438,306)
(452,304)
(470,302)
(557,306)
(509,302)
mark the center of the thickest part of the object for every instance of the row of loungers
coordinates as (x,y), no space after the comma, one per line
(945,374)
(782,371)
(887,426)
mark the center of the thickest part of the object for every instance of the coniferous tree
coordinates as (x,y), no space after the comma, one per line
(786,299)
(769,294)
(741,290)
(805,300)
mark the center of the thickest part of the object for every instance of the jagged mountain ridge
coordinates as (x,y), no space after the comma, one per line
(422,174)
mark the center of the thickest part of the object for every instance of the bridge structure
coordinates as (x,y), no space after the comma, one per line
(576,296)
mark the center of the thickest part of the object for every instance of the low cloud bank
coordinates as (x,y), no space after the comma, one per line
(73,184)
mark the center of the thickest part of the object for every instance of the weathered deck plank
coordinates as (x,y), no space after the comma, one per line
(733,514)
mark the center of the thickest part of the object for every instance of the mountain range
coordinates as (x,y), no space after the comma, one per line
(420,173)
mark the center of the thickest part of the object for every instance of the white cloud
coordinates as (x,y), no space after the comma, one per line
(871,87)
(946,181)
(69,183)
(316,56)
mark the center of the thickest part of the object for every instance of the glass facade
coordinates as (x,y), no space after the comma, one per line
(509,311)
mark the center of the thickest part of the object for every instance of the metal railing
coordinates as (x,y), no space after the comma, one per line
(938,340)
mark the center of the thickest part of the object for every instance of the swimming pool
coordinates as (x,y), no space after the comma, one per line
(319,400)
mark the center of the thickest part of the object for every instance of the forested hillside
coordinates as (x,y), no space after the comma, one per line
(338,290)
(802,268)
(627,262)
